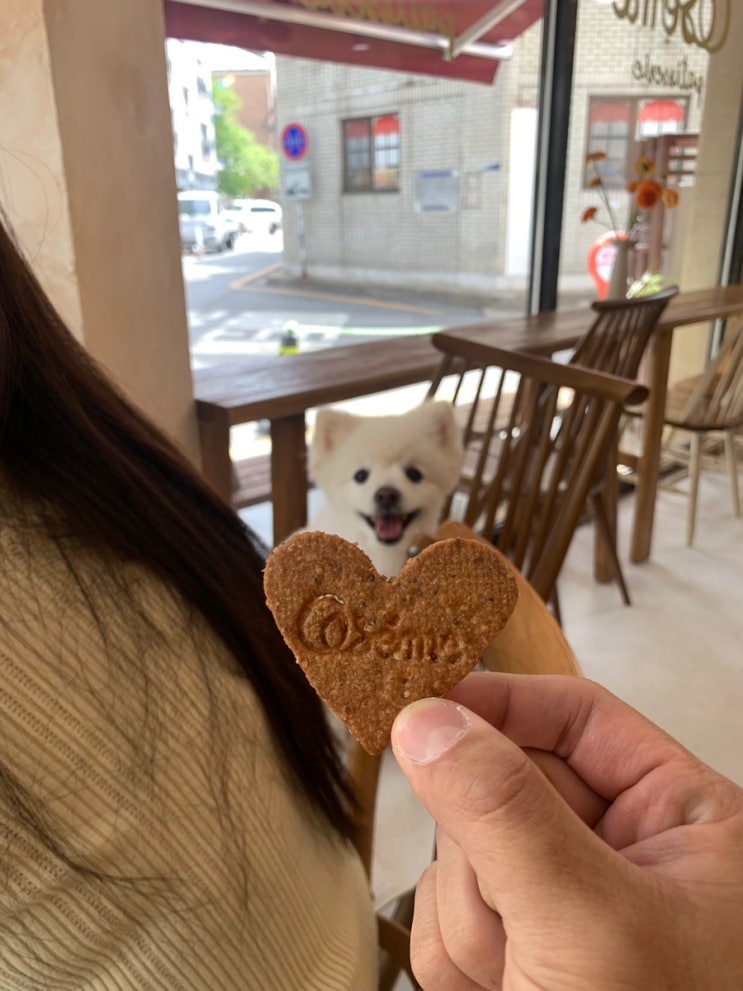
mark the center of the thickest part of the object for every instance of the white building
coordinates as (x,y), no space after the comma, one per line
(192,115)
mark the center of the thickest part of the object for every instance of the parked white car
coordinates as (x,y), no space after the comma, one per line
(258,216)
(204,222)
(237,216)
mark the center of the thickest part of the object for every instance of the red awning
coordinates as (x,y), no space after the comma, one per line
(460,39)
(660,111)
(386,125)
(611,112)
(356,129)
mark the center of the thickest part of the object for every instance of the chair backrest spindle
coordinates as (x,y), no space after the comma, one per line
(618,337)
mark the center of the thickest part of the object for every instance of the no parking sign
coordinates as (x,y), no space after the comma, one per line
(294,141)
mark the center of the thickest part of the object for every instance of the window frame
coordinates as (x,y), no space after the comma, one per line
(376,156)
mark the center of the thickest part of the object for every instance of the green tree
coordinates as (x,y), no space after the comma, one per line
(248,167)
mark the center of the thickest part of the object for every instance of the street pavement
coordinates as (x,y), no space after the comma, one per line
(240,303)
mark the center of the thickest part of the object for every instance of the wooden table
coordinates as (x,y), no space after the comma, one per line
(282,389)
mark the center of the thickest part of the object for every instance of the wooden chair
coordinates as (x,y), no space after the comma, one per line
(616,343)
(515,459)
(619,336)
(706,412)
(530,643)
(537,435)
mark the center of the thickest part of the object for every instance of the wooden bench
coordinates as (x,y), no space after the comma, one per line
(252,481)
(251,477)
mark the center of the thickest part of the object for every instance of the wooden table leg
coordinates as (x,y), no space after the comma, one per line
(603,566)
(216,466)
(288,475)
(652,438)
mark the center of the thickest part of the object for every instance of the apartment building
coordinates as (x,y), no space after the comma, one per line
(192,115)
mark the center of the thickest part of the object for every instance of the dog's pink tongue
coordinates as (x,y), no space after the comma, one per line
(388,527)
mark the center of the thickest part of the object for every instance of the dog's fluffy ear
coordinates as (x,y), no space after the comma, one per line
(443,426)
(332,426)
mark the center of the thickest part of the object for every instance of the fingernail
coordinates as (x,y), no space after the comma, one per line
(428,728)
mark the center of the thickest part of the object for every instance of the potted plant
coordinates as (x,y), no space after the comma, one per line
(645,193)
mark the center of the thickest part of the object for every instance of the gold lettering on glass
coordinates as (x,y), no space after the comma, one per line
(678,76)
(702,23)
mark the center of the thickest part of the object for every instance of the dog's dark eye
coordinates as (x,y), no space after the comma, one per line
(413,474)
(361,475)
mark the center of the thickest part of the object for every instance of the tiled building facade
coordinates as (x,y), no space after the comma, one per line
(477,143)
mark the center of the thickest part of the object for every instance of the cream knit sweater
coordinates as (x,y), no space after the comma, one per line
(130,727)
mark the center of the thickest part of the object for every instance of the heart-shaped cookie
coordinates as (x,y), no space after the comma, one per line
(371,645)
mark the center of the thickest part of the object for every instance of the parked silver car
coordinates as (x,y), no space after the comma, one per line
(204,222)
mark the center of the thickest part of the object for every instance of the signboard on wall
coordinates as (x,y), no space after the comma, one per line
(296,181)
(436,191)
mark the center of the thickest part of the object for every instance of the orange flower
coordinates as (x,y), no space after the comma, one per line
(644,192)
(648,193)
(644,168)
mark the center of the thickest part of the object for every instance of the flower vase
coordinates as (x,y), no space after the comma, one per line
(620,269)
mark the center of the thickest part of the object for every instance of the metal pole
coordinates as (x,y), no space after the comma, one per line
(558,49)
(300,239)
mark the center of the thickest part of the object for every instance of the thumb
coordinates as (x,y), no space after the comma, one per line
(533,856)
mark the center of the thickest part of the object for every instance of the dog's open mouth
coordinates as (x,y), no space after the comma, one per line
(390,528)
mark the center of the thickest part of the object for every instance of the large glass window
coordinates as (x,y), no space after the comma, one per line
(372,154)
(639,91)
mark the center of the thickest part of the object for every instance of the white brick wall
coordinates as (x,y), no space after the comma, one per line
(452,125)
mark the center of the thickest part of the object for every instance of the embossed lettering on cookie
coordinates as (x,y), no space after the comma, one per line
(369,645)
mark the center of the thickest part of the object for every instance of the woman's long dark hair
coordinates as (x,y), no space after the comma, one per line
(122,489)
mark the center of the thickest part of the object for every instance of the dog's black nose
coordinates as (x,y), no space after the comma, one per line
(387,499)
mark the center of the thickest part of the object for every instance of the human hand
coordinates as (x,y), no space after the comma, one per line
(579,848)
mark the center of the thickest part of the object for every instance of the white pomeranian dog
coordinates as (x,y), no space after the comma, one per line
(385,478)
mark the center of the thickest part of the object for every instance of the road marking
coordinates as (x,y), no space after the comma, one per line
(244,280)
(355,300)
(247,282)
